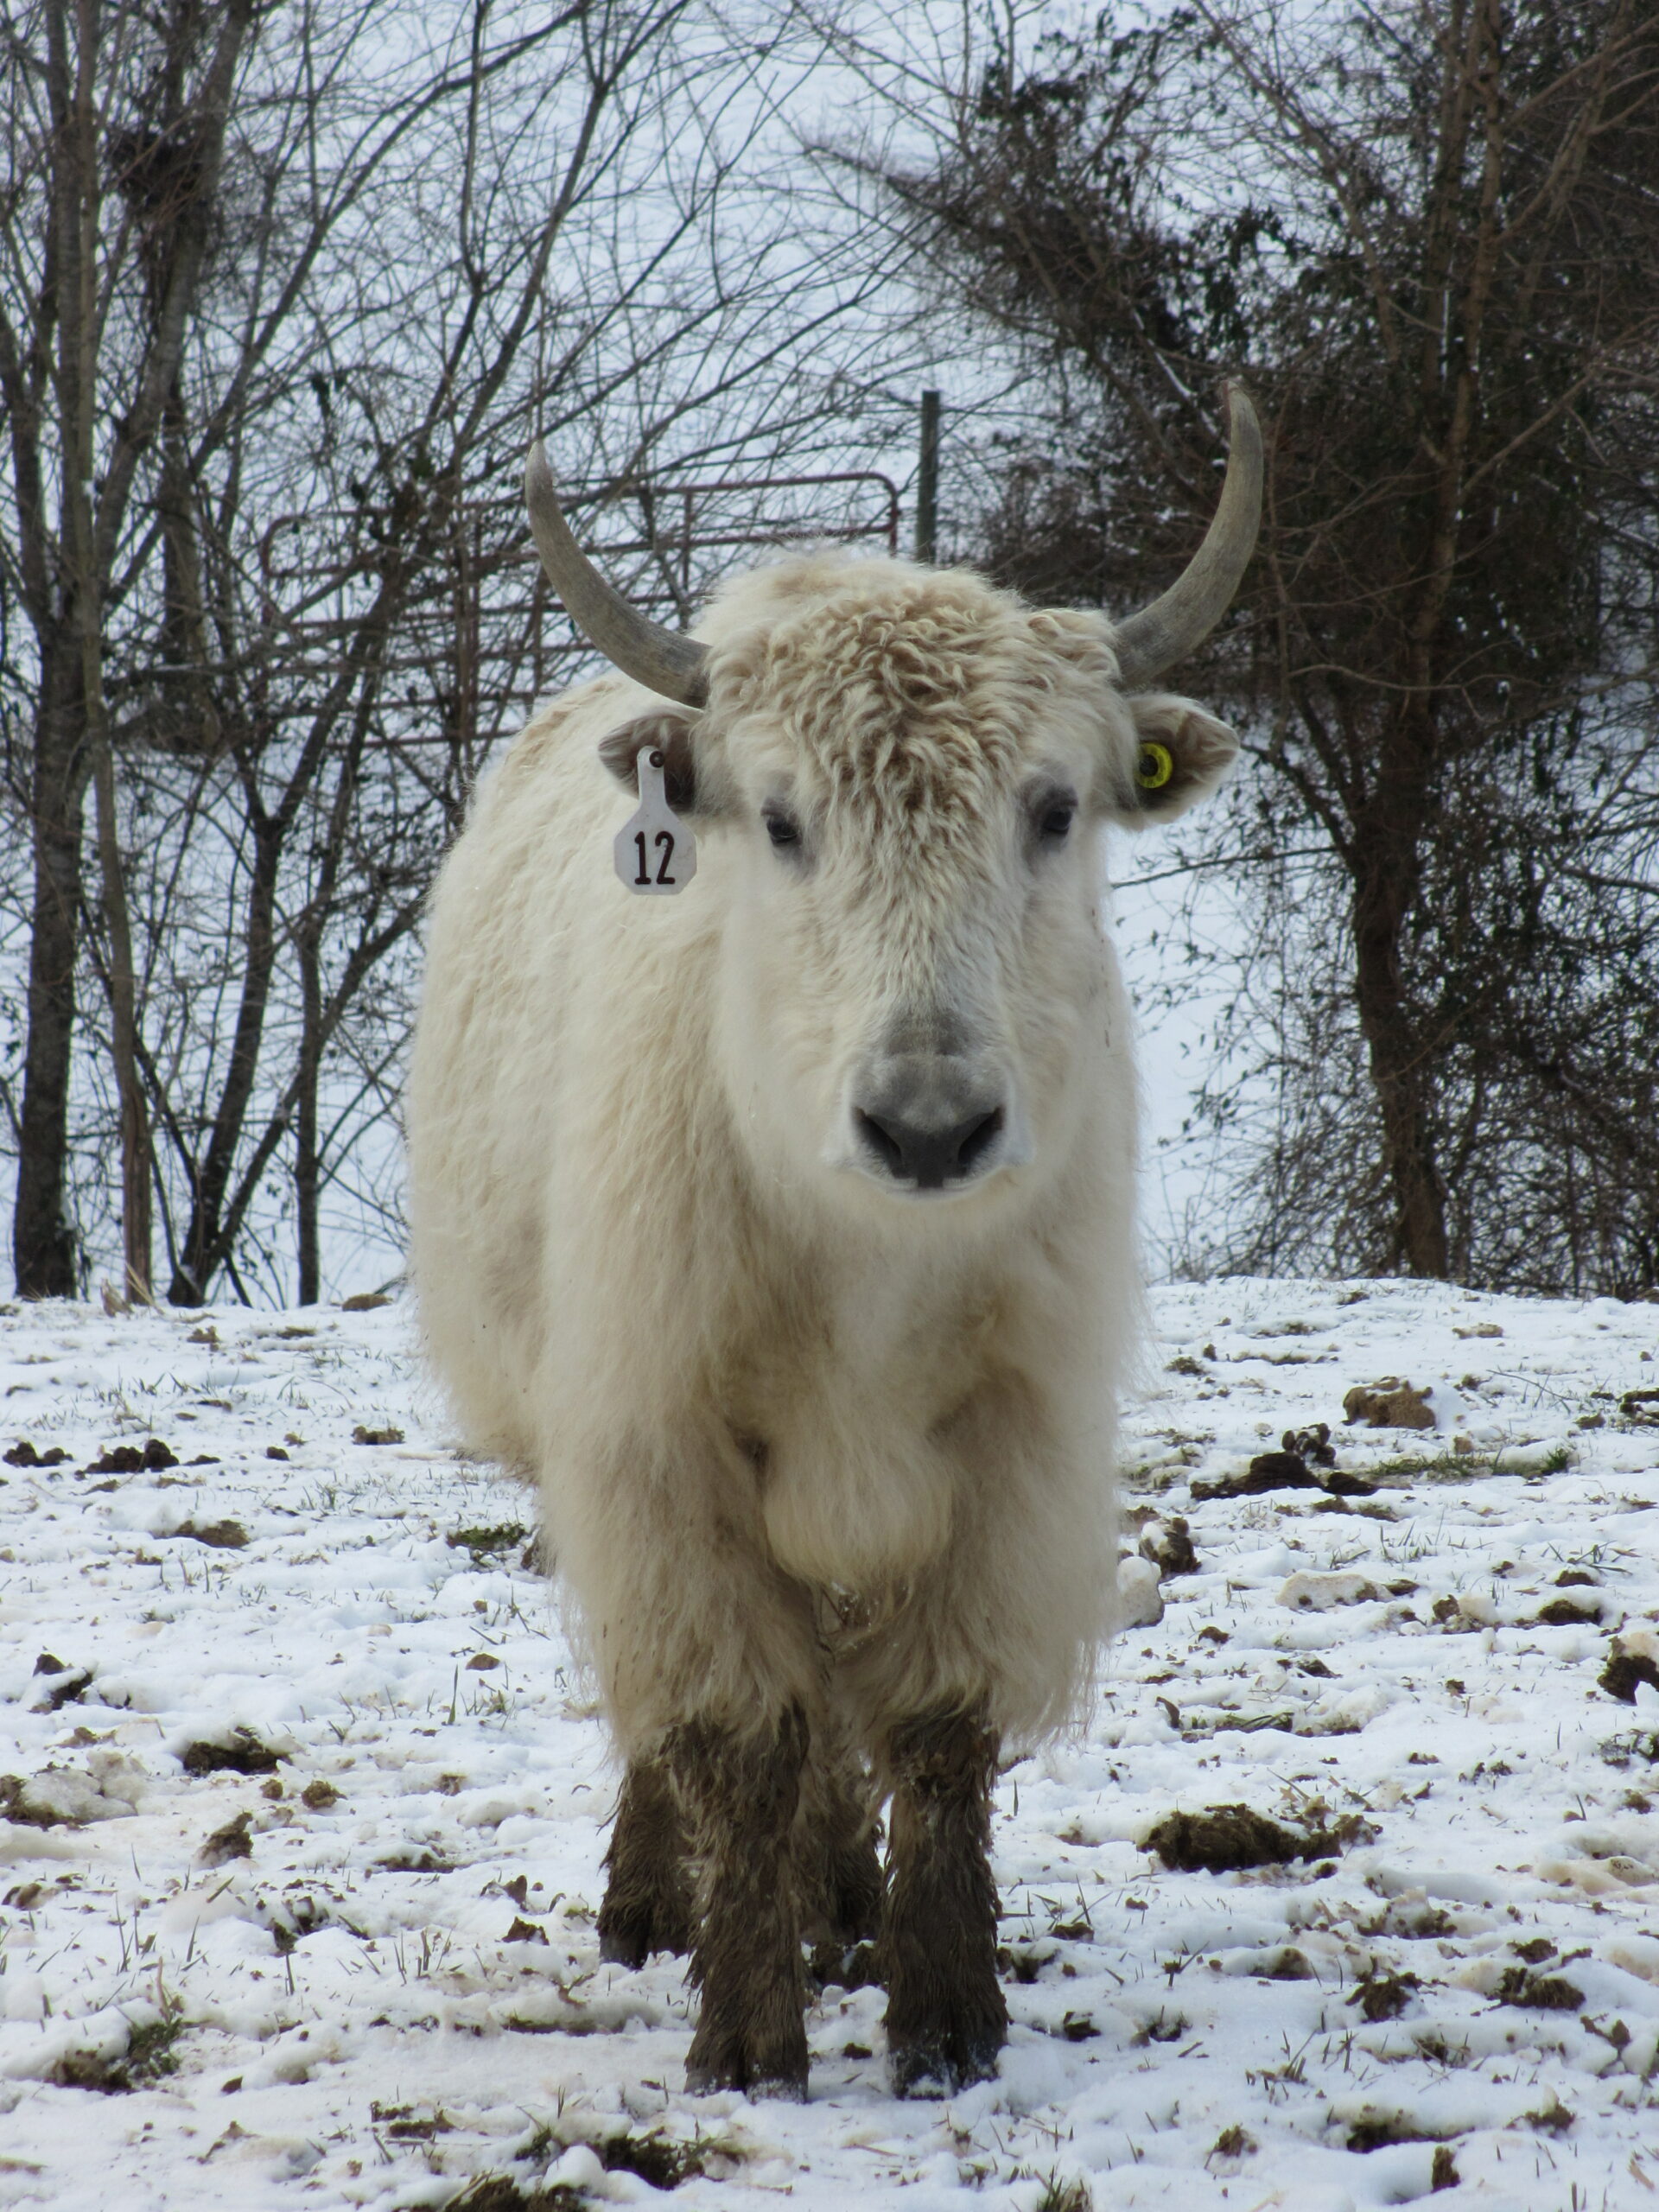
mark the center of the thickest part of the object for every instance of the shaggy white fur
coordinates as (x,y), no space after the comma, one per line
(800,1437)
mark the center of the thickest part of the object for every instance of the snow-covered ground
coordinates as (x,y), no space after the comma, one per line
(365,1973)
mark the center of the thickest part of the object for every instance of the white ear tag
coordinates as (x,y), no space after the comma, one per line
(656,852)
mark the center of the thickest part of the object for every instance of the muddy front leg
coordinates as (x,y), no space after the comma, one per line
(740,1793)
(648,1904)
(946,2017)
(837,1869)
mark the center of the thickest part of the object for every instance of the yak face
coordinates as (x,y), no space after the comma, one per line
(903,775)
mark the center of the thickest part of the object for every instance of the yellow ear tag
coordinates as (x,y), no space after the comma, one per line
(1154,767)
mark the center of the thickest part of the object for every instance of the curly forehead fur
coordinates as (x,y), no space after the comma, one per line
(904,690)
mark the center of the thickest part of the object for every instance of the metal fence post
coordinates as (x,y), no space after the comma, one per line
(927,481)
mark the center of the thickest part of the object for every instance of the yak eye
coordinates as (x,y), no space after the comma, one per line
(1054,822)
(781,828)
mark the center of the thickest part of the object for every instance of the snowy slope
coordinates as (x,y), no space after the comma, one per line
(388,1985)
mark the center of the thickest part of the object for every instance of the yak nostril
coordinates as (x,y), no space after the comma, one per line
(980,1136)
(879,1136)
(929,1157)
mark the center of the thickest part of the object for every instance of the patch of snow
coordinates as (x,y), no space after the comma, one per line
(298,1650)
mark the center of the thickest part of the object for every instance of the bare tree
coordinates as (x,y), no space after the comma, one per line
(311,615)
(1428,233)
(77,75)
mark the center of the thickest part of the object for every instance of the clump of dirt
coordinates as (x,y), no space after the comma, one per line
(1168,1545)
(361,1435)
(231,1841)
(481,1541)
(1313,1444)
(149,2056)
(1290,1467)
(1279,1470)
(68,1683)
(1023,1965)
(151,1458)
(659,2161)
(1382,1996)
(1288,1965)
(405,2124)
(1625,1672)
(67,1689)
(1563,1613)
(1229,1838)
(243,1754)
(1384,2132)
(1443,2173)
(221,1536)
(500,2193)
(58,1796)
(1545,1993)
(23,1454)
(317,1796)
(17,1807)
(1390,1403)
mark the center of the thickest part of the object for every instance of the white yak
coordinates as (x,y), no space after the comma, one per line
(782,1231)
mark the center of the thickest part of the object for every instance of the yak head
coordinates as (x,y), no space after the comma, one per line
(903,773)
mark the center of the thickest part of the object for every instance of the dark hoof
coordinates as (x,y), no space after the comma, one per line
(936,2070)
(627,1939)
(623,1947)
(781,2079)
(851,1965)
(787,2088)
(776,2071)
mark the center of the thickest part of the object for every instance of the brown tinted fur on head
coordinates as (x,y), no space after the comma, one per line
(946,2017)
(739,1797)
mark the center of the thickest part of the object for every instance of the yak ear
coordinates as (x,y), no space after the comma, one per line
(1179,756)
(671,733)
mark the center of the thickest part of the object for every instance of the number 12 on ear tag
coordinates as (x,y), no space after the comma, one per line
(656,852)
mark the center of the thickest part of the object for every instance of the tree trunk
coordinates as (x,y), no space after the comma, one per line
(307,1164)
(1387,849)
(136,1226)
(43,1241)
(203,1249)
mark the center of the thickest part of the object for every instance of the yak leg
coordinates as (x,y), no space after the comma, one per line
(837,1873)
(648,1896)
(741,1793)
(946,2018)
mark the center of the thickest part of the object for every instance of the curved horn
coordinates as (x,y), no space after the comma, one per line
(1183,617)
(664,661)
